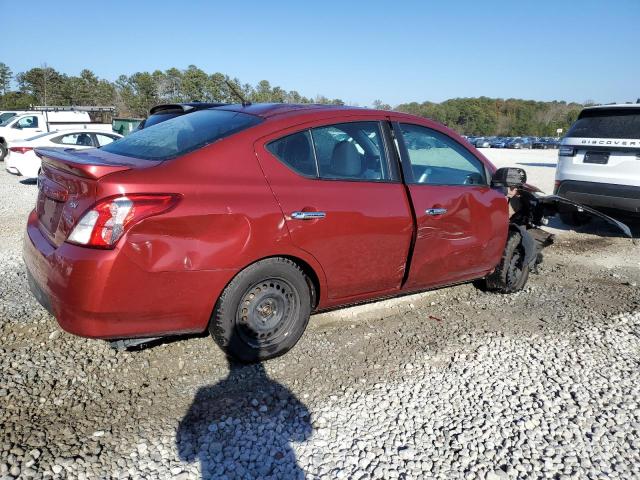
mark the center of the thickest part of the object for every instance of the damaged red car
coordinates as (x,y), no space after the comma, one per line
(245,219)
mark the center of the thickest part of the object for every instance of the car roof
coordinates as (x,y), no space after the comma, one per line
(268,110)
(614,105)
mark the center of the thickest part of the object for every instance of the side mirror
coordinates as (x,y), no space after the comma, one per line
(509,177)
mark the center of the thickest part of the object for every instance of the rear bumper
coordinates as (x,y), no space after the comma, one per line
(103,294)
(601,195)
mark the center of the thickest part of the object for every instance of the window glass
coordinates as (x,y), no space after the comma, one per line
(104,139)
(437,159)
(77,139)
(351,151)
(181,135)
(296,152)
(607,123)
(27,122)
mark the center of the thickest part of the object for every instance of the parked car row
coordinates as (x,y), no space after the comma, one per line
(513,142)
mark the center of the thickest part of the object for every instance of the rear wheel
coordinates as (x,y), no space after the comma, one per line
(263,312)
(512,273)
(3,151)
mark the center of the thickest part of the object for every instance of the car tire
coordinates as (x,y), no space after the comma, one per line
(574,219)
(263,311)
(3,152)
(511,274)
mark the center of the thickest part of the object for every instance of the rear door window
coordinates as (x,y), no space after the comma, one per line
(607,123)
(181,135)
(345,151)
(351,151)
(437,159)
(75,139)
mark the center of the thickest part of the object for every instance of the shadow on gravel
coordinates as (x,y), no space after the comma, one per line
(243,426)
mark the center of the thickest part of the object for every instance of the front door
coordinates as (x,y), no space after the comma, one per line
(461,222)
(342,203)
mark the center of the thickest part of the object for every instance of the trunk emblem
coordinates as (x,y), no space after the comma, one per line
(73,204)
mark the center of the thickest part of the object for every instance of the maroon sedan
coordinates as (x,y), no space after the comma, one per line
(246,219)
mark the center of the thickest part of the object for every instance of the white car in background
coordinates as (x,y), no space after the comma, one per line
(22,159)
(599,161)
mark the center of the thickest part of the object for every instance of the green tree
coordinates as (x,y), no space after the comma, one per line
(6,75)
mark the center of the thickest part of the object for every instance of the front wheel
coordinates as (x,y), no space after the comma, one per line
(263,311)
(512,273)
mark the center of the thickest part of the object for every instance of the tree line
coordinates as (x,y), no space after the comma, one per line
(133,96)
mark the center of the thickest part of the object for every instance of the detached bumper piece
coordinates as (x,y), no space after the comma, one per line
(552,204)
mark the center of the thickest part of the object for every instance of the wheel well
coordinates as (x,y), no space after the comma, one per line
(312,278)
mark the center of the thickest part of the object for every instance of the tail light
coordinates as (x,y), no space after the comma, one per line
(20,149)
(108,220)
(566,151)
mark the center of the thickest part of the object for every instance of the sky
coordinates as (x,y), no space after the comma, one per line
(358,51)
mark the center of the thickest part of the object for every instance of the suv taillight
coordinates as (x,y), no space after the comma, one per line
(566,151)
(106,222)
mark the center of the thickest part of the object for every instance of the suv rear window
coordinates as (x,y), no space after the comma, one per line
(607,123)
(182,134)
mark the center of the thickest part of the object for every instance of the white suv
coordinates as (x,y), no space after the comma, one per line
(599,161)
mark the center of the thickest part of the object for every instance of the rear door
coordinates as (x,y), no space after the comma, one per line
(342,202)
(461,222)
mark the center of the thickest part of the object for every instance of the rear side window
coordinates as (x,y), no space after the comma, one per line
(437,159)
(345,151)
(607,123)
(296,152)
(182,134)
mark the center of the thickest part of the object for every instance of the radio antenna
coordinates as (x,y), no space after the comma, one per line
(245,103)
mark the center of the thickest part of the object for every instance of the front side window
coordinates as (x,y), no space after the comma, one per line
(437,159)
(345,151)
(27,122)
(181,135)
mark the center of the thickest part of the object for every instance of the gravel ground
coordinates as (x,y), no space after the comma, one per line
(454,383)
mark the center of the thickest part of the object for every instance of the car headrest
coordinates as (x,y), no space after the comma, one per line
(345,160)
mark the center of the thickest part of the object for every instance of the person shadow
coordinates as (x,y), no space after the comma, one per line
(243,427)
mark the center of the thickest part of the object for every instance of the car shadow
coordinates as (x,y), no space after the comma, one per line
(244,426)
(537,164)
(29,181)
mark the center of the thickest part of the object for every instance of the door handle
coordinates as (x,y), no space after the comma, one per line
(308,215)
(435,211)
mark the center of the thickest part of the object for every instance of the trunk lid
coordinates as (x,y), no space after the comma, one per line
(67,187)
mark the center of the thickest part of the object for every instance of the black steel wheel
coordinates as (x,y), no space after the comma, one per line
(263,311)
(266,312)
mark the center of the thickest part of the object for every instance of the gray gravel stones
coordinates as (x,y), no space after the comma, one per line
(541,384)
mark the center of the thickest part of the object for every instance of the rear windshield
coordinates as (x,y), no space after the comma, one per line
(181,134)
(159,118)
(607,123)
